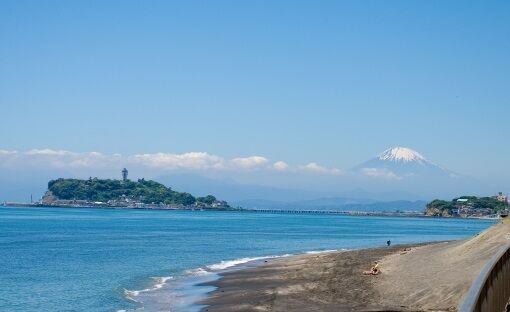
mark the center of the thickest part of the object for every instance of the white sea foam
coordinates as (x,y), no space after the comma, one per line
(209,269)
(197,272)
(131,294)
(313,252)
(159,282)
(230,263)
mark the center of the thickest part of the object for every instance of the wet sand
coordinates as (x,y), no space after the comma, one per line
(428,277)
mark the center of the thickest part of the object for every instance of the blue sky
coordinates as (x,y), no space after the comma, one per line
(328,82)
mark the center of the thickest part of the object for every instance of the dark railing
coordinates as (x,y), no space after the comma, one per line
(490,292)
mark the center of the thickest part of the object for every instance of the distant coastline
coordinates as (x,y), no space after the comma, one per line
(240,209)
(93,205)
(102,206)
(148,194)
(205,208)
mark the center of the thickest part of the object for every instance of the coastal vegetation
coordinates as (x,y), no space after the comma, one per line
(109,190)
(467,206)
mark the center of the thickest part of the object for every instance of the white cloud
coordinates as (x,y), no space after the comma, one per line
(57,159)
(313,166)
(49,152)
(5,152)
(316,168)
(91,159)
(280,165)
(8,158)
(380,172)
(197,161)
(251,162)
(64,159)
(192,160)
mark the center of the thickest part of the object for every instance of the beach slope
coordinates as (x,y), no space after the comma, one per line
(427,277)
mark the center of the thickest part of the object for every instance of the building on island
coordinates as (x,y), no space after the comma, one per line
(124,174)
(501,197)
(462,205)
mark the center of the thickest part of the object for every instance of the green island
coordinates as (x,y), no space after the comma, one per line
(123,193)
(469,206)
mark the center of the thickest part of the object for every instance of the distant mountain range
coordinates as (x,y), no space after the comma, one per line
(234,191)
(266,197)
(399,177)
(338,204)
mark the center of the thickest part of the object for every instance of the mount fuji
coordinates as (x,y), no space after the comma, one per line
(399,163)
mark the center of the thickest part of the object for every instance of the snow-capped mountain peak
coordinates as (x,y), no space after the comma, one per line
(401,163)
(405,168)
(402,154)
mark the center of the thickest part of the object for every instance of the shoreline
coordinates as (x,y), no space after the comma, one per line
(229,284)
(76,206)
(199,281)
(414,277)
(414,214)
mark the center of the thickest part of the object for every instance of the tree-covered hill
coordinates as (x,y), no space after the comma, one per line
(104,190)
(466,206)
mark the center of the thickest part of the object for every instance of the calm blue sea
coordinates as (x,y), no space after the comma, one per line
(109,260)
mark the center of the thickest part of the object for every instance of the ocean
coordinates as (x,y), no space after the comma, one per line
(75,259)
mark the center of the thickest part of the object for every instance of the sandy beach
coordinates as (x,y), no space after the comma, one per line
(426,277)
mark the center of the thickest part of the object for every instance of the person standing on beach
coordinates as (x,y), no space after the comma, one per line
(388,243)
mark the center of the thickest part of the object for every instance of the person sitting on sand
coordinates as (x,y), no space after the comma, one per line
(374,270)
(405,250)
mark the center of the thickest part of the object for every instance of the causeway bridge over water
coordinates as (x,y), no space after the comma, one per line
(335,212)
(291,211)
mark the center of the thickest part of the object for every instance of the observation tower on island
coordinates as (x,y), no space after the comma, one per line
(124,174)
